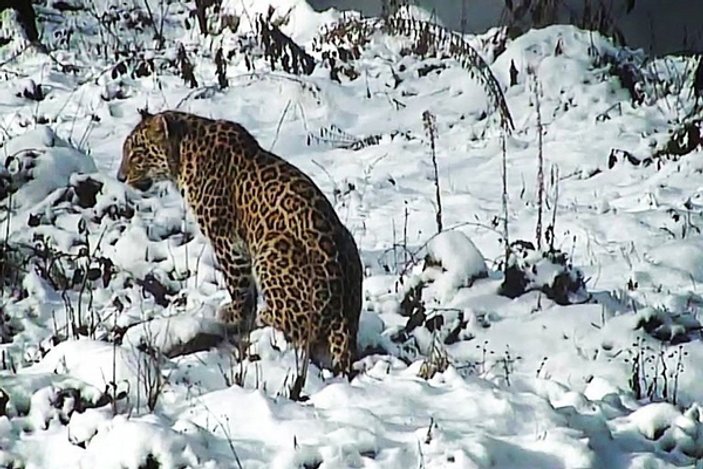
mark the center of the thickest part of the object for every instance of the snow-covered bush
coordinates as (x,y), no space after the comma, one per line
(452,262)
(548,271)
(37,163)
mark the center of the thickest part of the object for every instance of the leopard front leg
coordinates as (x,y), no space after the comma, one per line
(240,312)
(342,348)
(305,302)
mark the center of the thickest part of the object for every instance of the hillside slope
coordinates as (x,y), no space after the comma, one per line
(586,356)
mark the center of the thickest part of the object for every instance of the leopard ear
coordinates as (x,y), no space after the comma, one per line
(169,132)
(159,127)
(144,112)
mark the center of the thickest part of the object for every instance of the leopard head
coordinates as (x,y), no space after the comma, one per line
(150,152)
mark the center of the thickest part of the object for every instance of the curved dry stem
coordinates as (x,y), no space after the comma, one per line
(440,38)
(353,33)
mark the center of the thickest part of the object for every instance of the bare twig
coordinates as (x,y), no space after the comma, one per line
(280,123)
(157,34)
(540,162)
(430,125)
(504,200)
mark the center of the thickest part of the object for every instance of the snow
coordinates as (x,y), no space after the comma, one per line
(451,373)
(297,17)
(129,443)
(50,169)
(460,260)
(684,257)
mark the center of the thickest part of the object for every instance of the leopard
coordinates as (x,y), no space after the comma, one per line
(287,259)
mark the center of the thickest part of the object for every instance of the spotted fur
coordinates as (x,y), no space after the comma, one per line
(273,231)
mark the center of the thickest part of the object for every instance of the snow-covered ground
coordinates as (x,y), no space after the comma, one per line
(589,356)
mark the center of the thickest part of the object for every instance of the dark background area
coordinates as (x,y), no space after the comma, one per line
(657,26)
